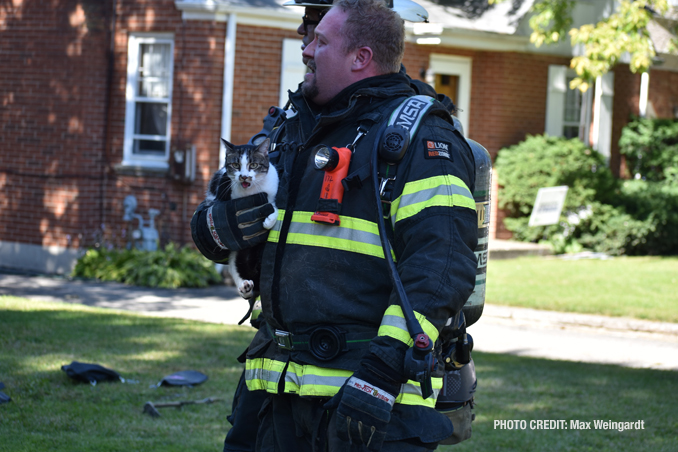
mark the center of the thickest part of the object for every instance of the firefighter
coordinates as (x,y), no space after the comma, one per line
(331,323)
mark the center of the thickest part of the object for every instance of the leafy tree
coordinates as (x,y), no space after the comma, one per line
(605,42)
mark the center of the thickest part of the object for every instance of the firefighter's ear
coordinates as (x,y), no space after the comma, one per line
(362,60)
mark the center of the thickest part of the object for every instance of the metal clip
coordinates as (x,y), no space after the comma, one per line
(361,133)
(283,339)
(382,187)
(386,203)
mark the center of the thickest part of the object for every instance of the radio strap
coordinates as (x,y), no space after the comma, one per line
(401,128)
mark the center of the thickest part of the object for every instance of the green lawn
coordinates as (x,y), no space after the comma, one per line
(639,287)
(50,411)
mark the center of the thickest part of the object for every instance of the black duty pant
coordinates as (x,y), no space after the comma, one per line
(244,418)
(290,423)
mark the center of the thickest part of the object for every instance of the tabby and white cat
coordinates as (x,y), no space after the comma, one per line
(247,172)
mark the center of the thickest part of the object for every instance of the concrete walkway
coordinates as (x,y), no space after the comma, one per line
(518,331)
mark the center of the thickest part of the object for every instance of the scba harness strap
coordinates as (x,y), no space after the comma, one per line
(401,129)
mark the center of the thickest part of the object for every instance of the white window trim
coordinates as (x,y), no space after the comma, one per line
(555,104)
(134,41)
(460,67)
(555,100)
(602,115)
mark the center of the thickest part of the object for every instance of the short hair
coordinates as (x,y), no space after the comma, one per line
(371,23)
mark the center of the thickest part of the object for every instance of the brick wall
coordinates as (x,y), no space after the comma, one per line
(60,181)
(663,93)
(53,74)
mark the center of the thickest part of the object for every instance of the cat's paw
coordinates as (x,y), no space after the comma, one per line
(270,221)
(246,289)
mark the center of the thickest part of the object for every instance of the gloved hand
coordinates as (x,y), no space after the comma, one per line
(364,407)
(238,223)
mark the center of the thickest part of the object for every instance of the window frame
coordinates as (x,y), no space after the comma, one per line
(458,66)
(579,107)
(135,41)
(556,102)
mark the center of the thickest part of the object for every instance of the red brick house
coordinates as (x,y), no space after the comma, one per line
(96,97)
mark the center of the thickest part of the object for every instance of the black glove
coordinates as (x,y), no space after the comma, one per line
(232,225)
(364,407)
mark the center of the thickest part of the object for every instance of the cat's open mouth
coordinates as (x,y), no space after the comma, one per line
(245,184)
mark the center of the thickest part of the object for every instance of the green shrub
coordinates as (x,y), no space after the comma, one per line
(543,161)
(656,204)
(651,148)
(170,267)
(636,217)
(611,230)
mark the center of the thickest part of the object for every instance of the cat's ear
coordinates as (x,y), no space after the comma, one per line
(227,145)
(263,147)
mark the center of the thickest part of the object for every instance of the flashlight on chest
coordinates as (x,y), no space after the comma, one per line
(335,162)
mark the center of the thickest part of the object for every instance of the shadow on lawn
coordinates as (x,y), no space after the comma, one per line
(126,343)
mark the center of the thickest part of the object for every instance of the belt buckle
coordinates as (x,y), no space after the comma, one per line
(284,339)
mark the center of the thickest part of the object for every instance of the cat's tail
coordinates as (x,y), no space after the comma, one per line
(251,301)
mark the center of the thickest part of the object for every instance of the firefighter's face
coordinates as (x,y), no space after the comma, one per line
(328,63)
(310,20)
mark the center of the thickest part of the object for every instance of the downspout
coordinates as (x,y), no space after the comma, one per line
(227,99)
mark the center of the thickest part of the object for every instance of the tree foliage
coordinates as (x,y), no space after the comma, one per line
(605,42)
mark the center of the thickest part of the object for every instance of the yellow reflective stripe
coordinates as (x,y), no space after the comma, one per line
(353,234)
(309,380)
(393,325)
(445,190)
(274,234)
(410,393)
(263,374)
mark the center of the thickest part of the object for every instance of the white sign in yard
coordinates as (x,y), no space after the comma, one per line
(548,205)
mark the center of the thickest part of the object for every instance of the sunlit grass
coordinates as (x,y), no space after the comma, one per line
(639,287)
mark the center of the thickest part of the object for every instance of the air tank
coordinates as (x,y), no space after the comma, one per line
(473,308)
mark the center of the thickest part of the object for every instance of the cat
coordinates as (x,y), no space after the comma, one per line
(247,171)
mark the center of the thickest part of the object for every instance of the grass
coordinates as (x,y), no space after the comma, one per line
(48,408)
(639,287)
(519,388)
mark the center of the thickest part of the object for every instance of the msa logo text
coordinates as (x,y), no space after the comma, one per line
(408,116)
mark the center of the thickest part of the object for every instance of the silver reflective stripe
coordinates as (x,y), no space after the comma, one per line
(262,374)
(315,380)
(394,321)
(336,232)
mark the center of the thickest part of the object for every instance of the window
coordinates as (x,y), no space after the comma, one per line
(149,100)
(567,110)
(572,111)
(570,114)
